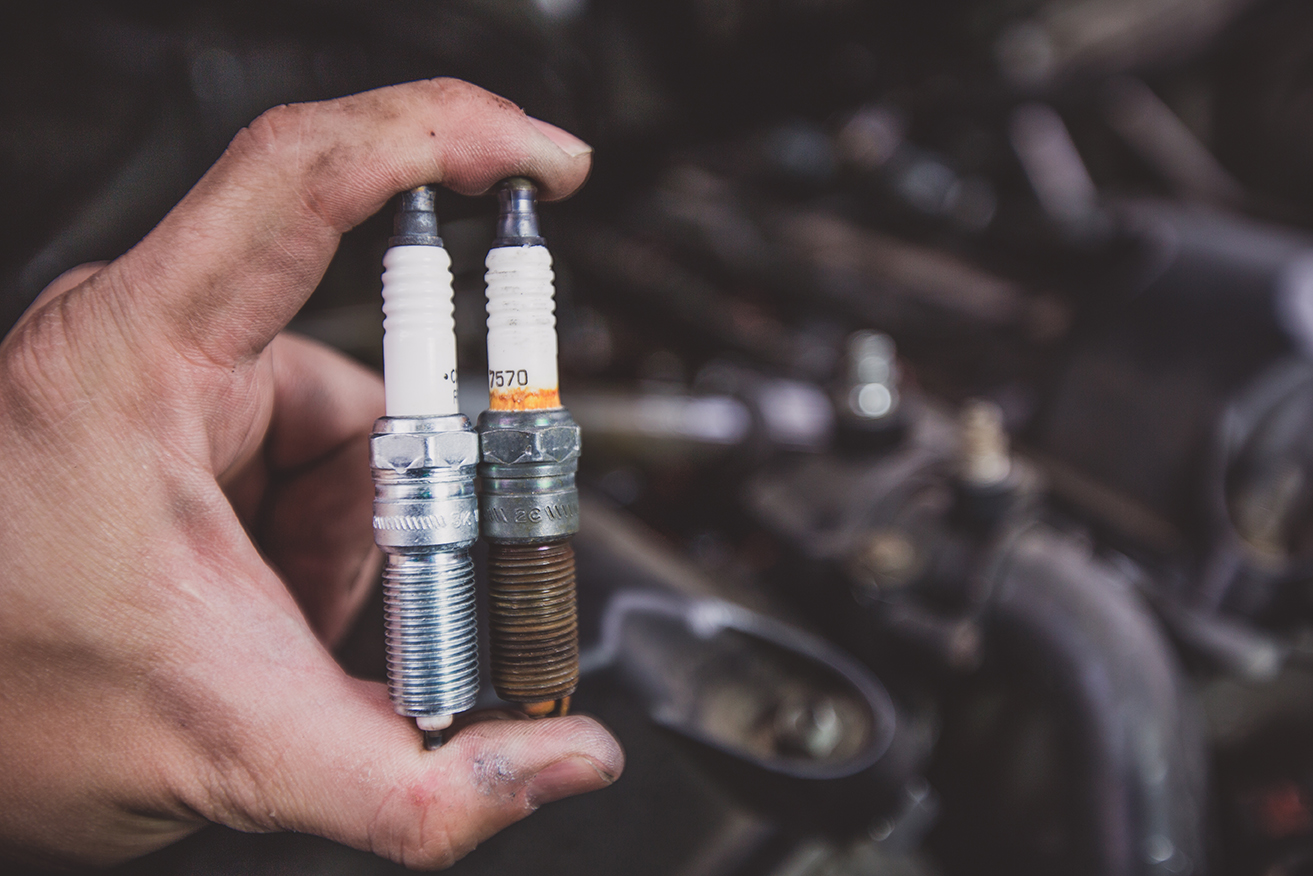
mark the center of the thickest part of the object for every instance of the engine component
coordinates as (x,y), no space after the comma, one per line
(800,725)
(1059,613)
(529,505)
(424,456)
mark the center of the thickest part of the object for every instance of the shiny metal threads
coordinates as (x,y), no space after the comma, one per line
(533,623)
(425,520)
(432,641)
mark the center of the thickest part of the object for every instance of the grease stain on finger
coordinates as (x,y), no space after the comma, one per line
(495,775)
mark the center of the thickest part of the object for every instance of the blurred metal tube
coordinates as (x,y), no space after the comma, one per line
(1142,760)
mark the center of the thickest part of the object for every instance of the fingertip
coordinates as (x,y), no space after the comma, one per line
(538,743)
(565,778)
(374,787)
(568,174)
(596,742)
(564,140)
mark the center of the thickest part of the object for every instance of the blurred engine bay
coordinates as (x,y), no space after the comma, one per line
(944,370)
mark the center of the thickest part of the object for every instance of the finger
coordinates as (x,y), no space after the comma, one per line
(356,772)
(322,400)
(70,279)
(305,491)
(234,260)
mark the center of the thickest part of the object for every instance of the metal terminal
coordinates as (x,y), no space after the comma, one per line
(425,520)
(529,508)
(416,222)
(517,215)
(872,378)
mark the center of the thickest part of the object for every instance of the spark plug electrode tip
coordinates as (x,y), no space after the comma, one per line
(416,222)
(433,740)
(517,216)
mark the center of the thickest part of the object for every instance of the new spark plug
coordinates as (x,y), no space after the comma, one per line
(424,456)
(528,505)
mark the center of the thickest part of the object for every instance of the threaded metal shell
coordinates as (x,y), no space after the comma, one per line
(533,624)
(432,642)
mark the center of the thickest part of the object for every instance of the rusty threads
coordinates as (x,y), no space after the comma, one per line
(533,624)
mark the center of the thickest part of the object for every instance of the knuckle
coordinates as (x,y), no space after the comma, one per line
(453,90)
(36,370)
(268,133)
(79,357)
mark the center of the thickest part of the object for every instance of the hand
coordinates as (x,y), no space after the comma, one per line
(185,499)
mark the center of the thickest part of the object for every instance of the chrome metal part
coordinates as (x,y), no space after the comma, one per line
(528,475)
(425,520)
(517,217)
(416,223)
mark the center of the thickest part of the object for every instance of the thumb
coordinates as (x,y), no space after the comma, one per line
(360,775)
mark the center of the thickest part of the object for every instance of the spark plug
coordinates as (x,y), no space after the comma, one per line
(528,505)
(424,455)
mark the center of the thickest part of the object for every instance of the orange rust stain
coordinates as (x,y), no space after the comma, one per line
(524,399)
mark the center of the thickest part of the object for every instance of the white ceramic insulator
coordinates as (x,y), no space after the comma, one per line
(419,338)
(521,324)
(433,722)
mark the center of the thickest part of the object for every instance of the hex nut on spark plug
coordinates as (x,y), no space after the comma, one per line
(528,475)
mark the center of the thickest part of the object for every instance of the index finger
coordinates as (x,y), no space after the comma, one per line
(231,264)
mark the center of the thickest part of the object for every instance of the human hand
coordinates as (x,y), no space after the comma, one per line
(186,506)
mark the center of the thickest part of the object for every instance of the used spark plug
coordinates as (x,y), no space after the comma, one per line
(528,506)
(424,454)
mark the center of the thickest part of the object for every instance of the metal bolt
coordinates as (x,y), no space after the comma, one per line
(984,457)
(808,726)
(872,376)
